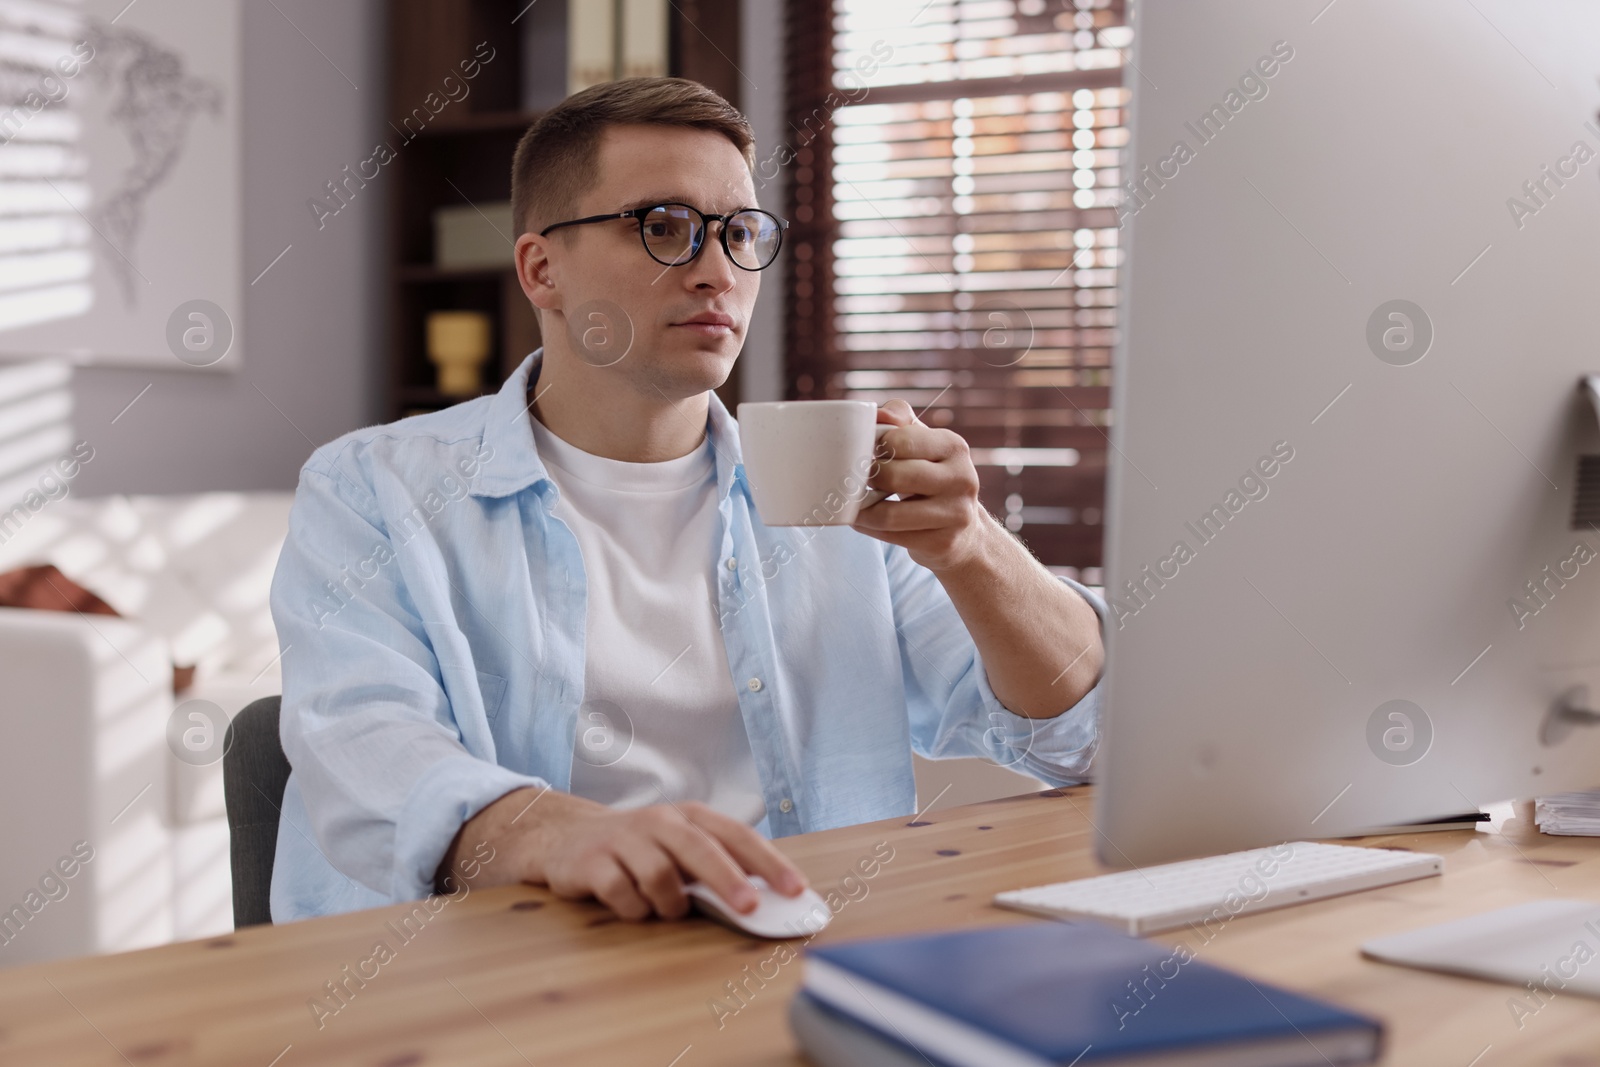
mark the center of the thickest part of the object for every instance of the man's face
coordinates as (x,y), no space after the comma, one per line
(687,322)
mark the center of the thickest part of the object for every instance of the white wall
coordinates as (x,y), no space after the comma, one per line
(312,326)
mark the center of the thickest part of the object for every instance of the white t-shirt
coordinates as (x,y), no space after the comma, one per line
(660,719)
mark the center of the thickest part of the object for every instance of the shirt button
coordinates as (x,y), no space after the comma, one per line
(786,805)
(733,563)
(754,684)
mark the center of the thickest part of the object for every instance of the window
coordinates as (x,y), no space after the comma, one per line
(45,262)
(954,191)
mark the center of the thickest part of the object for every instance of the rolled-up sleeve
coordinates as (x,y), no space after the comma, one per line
(953,710)
(370,718)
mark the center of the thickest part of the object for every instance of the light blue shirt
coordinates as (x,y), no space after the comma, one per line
(431,613)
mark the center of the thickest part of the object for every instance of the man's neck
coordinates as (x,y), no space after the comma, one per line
(597,410)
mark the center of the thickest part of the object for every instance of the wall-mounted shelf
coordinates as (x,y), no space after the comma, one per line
(422,273)
(481,122)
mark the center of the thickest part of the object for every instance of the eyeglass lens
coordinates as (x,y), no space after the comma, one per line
(673,234)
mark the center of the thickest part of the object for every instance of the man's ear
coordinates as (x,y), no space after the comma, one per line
(536,272)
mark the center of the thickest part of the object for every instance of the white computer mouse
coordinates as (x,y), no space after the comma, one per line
(776,916)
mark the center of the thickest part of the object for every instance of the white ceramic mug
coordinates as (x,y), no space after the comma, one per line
(808,460)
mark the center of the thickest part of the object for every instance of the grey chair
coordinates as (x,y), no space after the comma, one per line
(254,773)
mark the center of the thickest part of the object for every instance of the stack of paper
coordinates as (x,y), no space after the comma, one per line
(1571,814)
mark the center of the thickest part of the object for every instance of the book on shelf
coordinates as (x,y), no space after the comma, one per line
(591,43)
(611,39)
(644,39)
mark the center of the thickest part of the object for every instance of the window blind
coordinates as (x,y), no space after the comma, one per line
(954,194)
(45,259)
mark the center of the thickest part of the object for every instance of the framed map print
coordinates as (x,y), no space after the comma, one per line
(120,182)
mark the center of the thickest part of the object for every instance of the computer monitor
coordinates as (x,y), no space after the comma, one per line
(1352,553)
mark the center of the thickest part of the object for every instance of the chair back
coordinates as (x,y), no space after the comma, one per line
(254,773)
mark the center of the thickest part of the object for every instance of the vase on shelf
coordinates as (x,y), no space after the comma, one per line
(458,345)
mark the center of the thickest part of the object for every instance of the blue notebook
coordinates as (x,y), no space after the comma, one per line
(1054,994)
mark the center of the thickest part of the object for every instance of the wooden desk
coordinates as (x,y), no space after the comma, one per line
(513,976)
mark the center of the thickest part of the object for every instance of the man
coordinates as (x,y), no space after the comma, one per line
(543,636)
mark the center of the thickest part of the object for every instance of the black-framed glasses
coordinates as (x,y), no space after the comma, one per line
(673,234)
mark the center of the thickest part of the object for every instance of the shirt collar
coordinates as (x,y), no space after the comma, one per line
(515,464)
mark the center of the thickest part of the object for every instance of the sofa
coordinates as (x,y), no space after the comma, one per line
(117,836)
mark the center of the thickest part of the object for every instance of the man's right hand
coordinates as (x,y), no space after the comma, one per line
(634,862)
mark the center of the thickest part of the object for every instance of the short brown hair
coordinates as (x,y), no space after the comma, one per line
(556,158)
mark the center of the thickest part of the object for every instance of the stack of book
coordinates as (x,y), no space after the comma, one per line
(1569,814)
(1054,995)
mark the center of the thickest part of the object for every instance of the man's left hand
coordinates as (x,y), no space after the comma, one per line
(938,518)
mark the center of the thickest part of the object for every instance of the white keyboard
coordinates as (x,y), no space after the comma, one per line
(1208,892)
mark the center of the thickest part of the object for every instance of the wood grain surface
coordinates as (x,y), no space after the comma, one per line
(513,976)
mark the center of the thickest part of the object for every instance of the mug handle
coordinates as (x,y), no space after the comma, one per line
(875,495)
